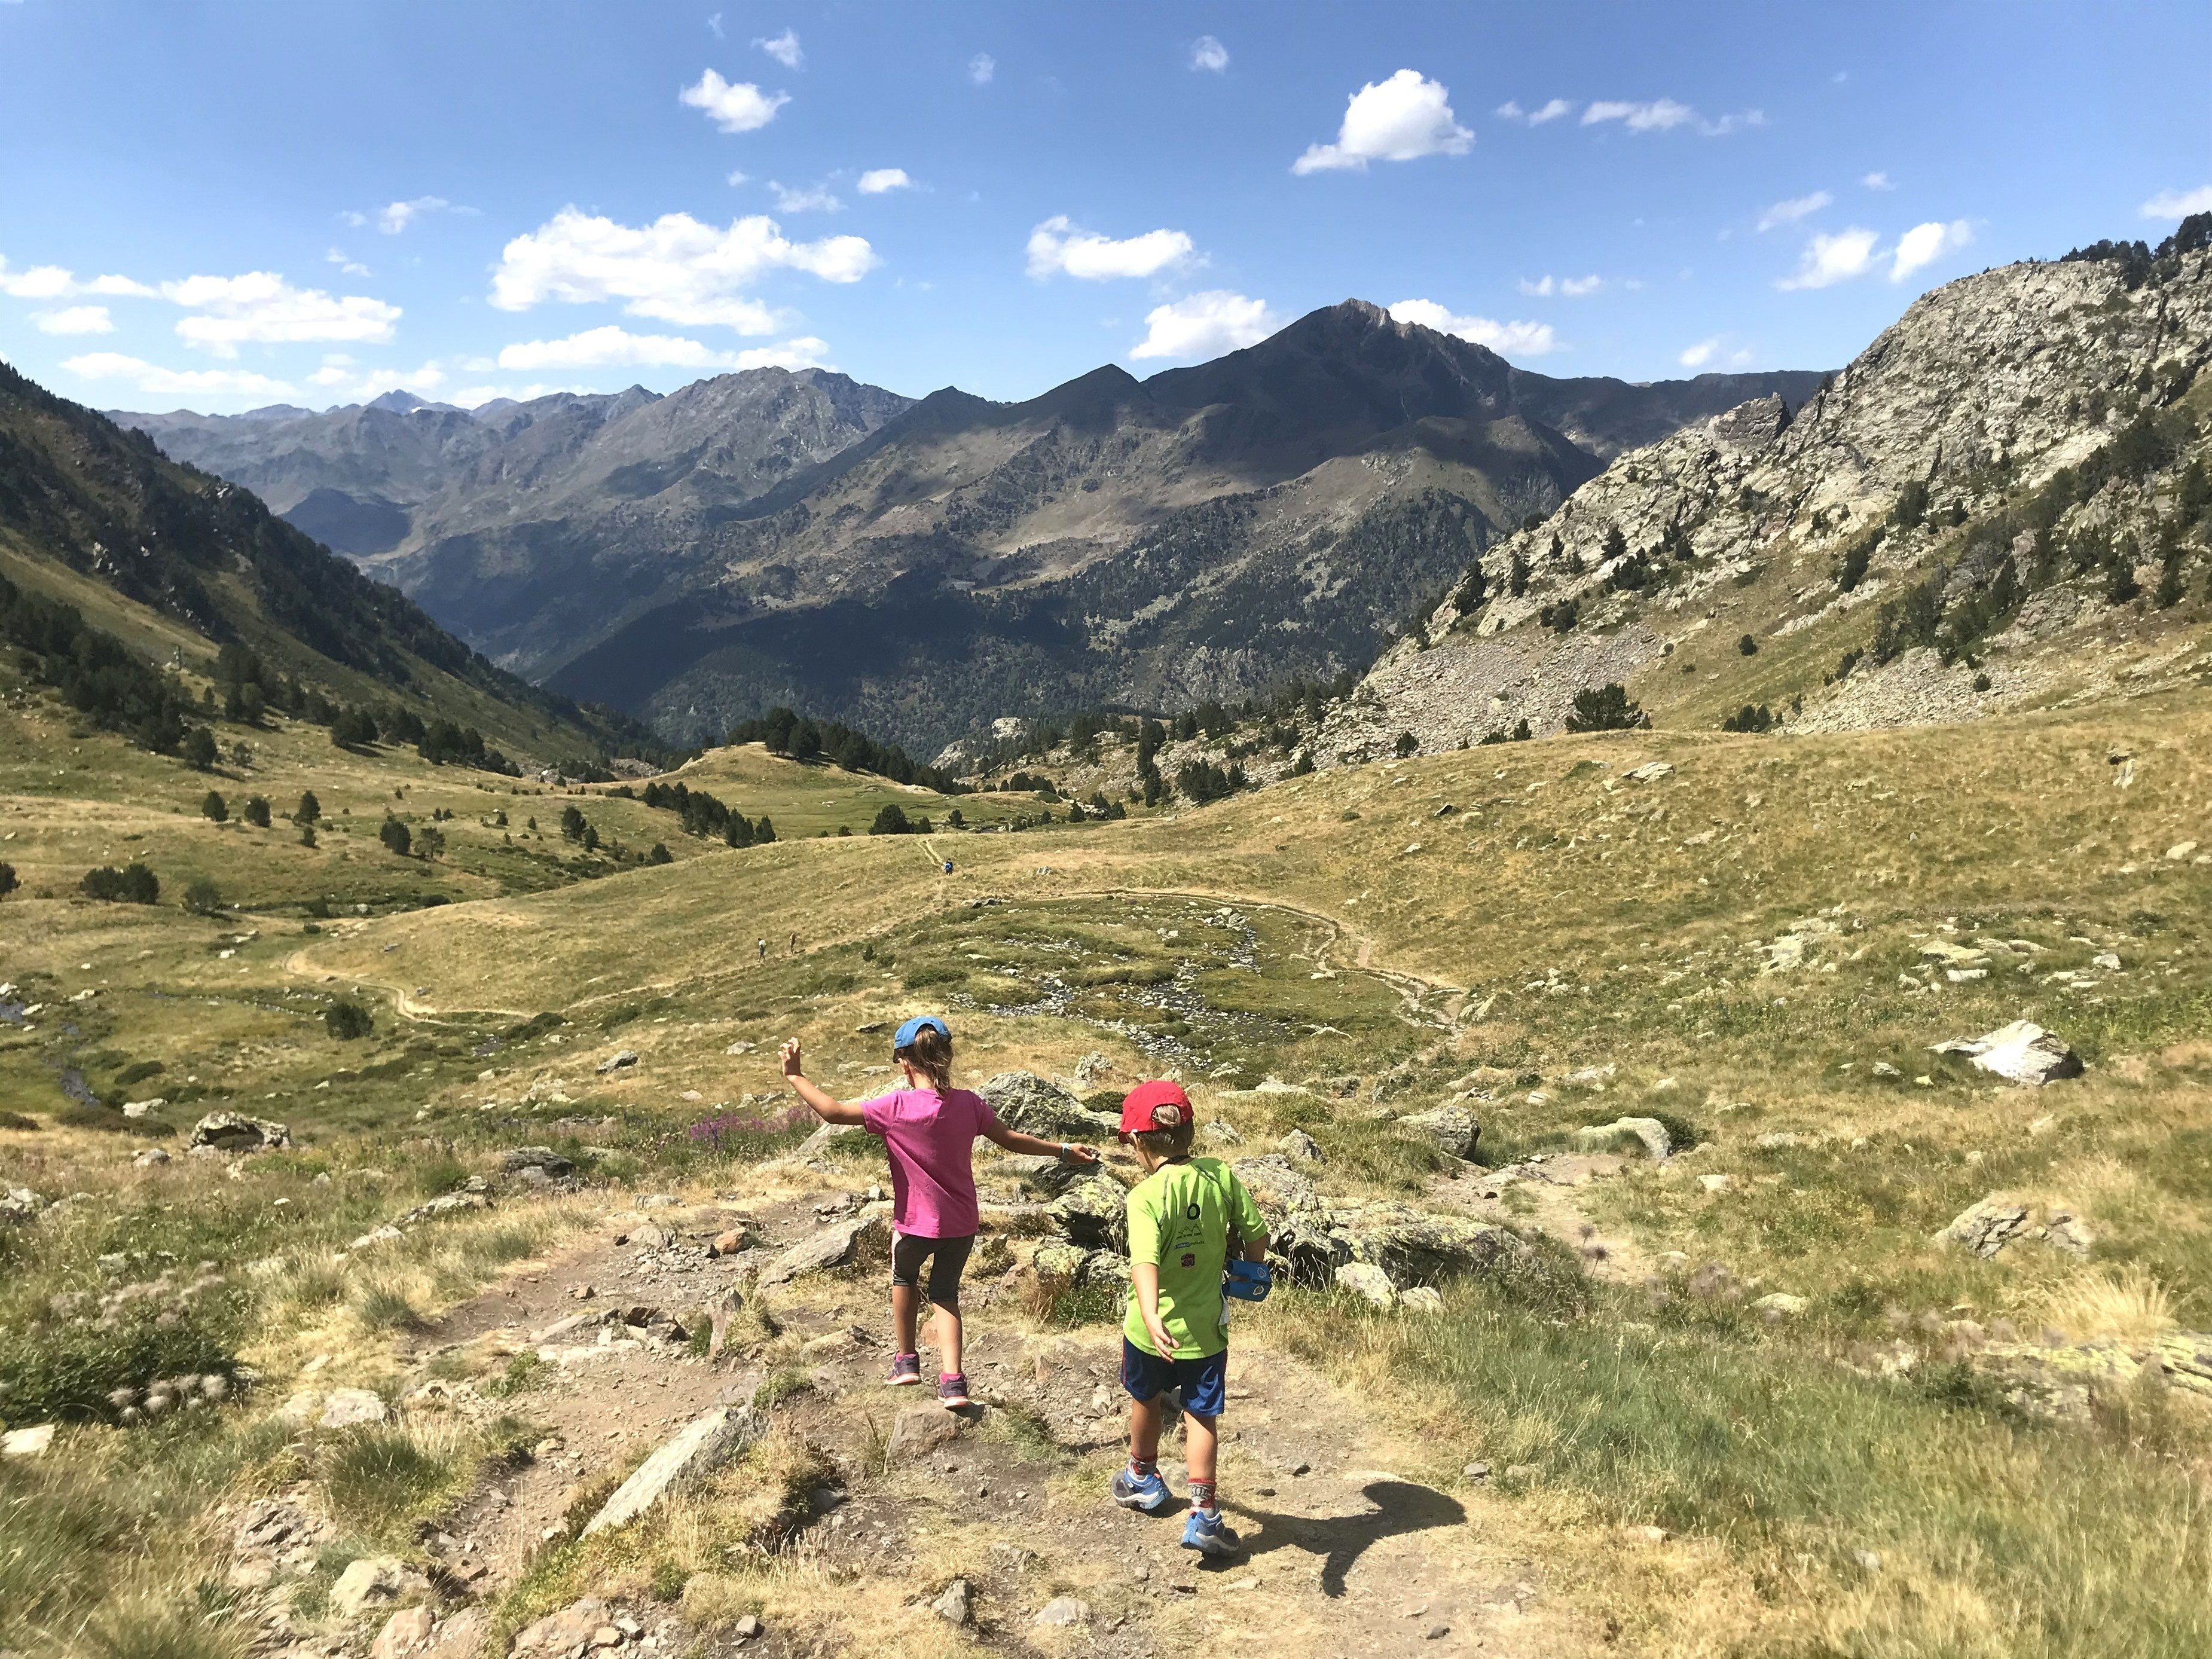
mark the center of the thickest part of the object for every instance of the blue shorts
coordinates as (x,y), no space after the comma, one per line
(1203,1384)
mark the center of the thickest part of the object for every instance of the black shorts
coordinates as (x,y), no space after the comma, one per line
(947,1259)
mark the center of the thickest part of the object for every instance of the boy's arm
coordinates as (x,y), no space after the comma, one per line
(1015,1141)
(1251,1225)
(1145,1276)
(826,1107)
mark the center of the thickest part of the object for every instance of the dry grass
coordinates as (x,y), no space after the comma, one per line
(2129,1304)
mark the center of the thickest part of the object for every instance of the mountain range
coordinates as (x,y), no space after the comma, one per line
(918,568)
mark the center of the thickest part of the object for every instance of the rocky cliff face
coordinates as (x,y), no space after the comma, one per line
(1991,506)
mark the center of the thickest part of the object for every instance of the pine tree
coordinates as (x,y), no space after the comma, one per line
(1516,572)
(199,749)
(256,811)
(8,882)
(396,835)
(212,808)
(310,809)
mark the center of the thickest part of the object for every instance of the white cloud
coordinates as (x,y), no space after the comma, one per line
(1831,259)
(742,108)
(1574,288)
(1208,53)
(715,24)
(805,198)
(1517,339)
(784,48)
(260,307)
(675,269)
(981,67)
(611,347)
(1395,120)
(1877,181)
(53,283)
(1510,110)
(76,319)
(1206,325)
(736,176)
(1658,115)
(1924,245)
(2178,203)
(876,181)
(1796,208)
(396,217)
(165,382)
(1055,248)
(346,264)
(1698,356)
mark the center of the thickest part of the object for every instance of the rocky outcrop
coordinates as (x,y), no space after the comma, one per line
(700,1446)
(1038,1107)
(2022,1053)
(838,1245)
(233,1132)
(1453,1128)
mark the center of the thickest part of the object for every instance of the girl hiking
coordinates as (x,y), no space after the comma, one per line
(929,1129)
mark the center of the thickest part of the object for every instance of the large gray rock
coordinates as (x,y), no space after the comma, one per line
(2022,1052)
(839,1137)
(19,1205)
(1368,1282)
(1647,1135)
(1987,1227)
(1412,1246)
(1038,1106)
(1094,1213)
(837,1245)
(701,1445)
(233,1132)
(1276,1184)
(1453,1128)
(375,1581)
(543,1159)
(1046,1175)
(573,1631)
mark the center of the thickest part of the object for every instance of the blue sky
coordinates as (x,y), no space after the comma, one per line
(217,206)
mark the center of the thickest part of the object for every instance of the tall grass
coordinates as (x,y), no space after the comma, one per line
(381,1477)
(2067,1542)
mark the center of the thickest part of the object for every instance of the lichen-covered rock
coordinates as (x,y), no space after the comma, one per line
(1454,1129)
(1644,1135)
(1367,1282)
(1412,1246)
(1093,1212)
(1038,1106)
(233,1132)
(839,1137)
(2022,1053)
(1276,1185)
(1986,1227)
(1042,1174)
(544,1159)
(837,1245)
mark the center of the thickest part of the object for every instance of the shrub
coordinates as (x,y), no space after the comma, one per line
(1911,504)
(659,854)
(1747,646)
(213,809)
(890,820)
(396,835)
(199,749)
(256,812)
(346,1021)
(1606,708)
(430,842)
(1521,732)
(307,835)
(309,809)
(1407,745)
(1748,719)
(132,884)
(1560,618)
(203,897)
(8,882)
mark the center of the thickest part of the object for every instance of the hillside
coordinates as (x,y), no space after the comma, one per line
(2001,503)
(177,566)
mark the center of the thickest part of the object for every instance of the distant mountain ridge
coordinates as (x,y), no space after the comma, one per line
(915,568)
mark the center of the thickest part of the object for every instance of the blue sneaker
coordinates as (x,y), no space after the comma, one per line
(1146,1492)
(1209,1535)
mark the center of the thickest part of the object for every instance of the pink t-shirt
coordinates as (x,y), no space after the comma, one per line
(929,1139)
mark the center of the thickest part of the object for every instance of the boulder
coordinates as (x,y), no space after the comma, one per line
(1064,1610)
(955,1606)
(731,1241)
(1055,1258)
(1780,1304)
(921,1430)
(1453,1128)
(837,1245)
(1986,1228)
(1411,1246)
(1092,1070)
(19,1205)
(28,1443)
(1047,1176)
(838,1137)
(701,1444)
(569,1633)
(374,1581)
(618,1062)
(1094,1213)
(2022,1053)
(404,1631)
(150,1157)
(1421,1299)
(1367,1282)
(1219,1133)
(1300,1146)
(344,1407)
(544,1159)
(1276,1184)
(233,1132)
(1646,1134)
(1036,1106)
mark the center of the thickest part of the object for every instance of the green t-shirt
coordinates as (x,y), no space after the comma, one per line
(1180,1217)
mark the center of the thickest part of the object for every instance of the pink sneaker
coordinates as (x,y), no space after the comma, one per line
(951,1390)
(906,1368)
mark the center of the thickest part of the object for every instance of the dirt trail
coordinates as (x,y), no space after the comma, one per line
(1354,1545)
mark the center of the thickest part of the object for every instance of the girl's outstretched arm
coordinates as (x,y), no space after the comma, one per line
(825,1107)
(1015,1141)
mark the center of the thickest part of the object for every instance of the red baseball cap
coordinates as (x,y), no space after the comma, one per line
(1156,1105)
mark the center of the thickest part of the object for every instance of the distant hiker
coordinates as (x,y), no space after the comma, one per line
(794,944)
(929,1129)
(1191,1224)
(763,949)
(948,866)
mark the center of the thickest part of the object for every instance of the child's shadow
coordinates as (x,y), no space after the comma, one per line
(1399,1507)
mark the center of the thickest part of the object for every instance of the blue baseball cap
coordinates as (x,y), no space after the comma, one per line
(904,1037)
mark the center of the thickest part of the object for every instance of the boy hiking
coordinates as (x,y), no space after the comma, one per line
(1187,1219)
(929,1129)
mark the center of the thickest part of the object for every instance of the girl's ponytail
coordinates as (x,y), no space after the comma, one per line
(930,1053)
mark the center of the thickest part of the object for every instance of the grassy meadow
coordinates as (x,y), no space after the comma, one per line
(1525,921)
